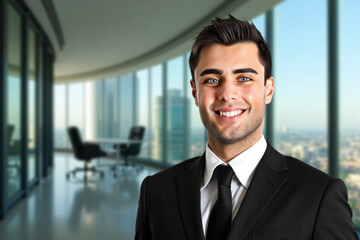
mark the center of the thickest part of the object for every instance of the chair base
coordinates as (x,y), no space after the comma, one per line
(85,170)
(123,167)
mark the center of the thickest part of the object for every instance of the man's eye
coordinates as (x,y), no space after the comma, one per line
(212,80)
(244,79)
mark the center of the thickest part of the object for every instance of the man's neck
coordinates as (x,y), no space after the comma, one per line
(228,151)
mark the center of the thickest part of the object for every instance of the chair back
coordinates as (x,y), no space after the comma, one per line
(76,142)
(136,133)
(13,145)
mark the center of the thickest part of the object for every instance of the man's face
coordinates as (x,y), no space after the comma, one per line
(230,92)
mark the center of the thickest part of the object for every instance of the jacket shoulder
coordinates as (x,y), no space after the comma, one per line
(293,168)
(305,169)
(307,175)
(170,173)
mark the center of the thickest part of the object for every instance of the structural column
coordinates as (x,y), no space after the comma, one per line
(3,111)
(269,115)
(333,83)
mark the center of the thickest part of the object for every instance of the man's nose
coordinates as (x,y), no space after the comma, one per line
(228,91)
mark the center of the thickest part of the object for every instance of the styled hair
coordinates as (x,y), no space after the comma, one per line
(228,32)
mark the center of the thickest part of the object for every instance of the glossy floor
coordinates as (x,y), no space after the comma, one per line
(72,209)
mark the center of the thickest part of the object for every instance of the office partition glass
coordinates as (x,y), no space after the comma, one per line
(14,85)
(175,104)
(349,85)
(60,116)
(143,107)
(156,136)
(300,63)
(32,86)
(24,107)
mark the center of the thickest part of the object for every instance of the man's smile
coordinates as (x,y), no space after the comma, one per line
(229,113)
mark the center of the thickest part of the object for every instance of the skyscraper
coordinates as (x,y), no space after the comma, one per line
(176,142)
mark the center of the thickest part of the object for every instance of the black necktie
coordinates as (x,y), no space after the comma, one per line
(220,217)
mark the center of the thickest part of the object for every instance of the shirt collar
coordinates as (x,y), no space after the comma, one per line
(243,165)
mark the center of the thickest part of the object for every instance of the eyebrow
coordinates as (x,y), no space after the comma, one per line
(245,70)
(210,71)
(236,71)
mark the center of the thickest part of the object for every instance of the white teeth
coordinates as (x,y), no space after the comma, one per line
(230,114)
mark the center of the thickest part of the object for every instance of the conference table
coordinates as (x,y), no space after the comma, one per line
(115,142)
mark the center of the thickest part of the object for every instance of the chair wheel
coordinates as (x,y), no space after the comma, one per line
(67,176)
(102,175)
(115,175)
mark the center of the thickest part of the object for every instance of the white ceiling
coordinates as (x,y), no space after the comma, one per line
(109,37)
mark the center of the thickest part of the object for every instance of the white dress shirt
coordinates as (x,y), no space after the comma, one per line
(244,167)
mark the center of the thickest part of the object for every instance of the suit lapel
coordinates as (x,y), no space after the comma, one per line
(264,186)
(188,188)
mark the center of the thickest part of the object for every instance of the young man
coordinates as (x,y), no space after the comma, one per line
(241,188)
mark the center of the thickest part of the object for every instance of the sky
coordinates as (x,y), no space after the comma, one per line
(300,64)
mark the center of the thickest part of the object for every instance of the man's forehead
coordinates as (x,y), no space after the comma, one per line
(237,56)
(238,46)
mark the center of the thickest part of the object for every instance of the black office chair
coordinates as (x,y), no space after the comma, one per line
(13,167)
(84,152)
(10,131)
(13,145)
(130,149)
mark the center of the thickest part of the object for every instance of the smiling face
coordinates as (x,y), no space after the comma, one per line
(230,93)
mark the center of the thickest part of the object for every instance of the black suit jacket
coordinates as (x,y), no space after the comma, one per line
(286,199)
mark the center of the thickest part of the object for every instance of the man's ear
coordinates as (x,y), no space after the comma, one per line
(194,91)
(269,90)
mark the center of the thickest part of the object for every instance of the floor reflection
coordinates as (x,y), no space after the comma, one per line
(74,209)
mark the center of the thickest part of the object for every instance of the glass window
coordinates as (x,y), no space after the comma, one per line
(99,108)
(59,120)
(156,133)
(349,84)
(300,63)
(197,130)
(126,105)
(111,124)
(175,104)
(14,102)
(143,93)
(76,105)
(90,110)
(32,85)
(259,22)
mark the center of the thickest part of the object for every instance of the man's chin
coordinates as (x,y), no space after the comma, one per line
(226,138)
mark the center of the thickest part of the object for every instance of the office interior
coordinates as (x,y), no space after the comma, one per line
(106,66)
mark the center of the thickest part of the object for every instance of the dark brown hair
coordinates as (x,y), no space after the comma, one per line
(229,32)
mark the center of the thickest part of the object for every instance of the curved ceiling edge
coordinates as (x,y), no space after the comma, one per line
(244,9)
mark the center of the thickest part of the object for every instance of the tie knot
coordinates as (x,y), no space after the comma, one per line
(223,175)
